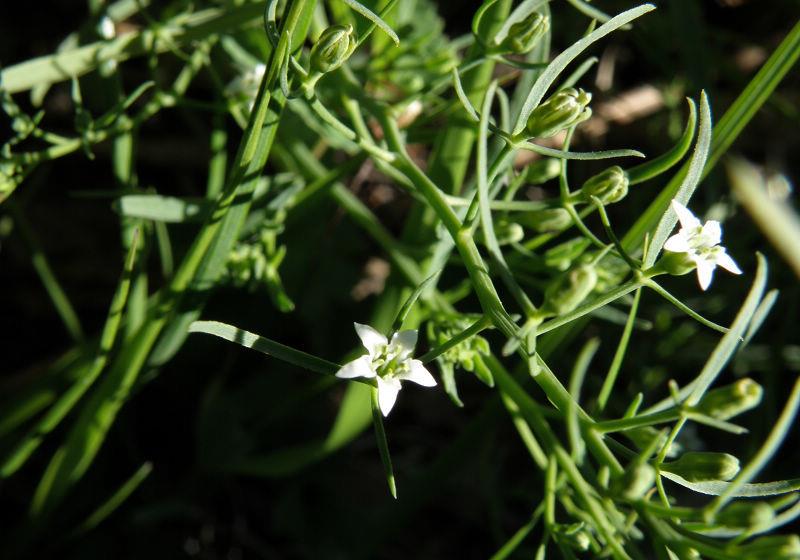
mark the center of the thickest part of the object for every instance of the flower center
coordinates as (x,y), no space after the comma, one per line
(387,362)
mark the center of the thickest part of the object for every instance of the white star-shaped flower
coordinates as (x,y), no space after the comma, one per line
(389,362)
(701,243)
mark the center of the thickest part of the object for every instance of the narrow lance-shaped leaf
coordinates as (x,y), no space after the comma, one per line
(265,345)
(549,76)
(688,186)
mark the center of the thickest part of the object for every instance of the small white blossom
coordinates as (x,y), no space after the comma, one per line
(701,243)
(106,28)
(389,362)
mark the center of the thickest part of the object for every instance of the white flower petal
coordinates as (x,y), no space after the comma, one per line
(725,261)
(387,393)
(406,341)
(705,270)
(711,233)
(685,216)
(370,338)
(418,374)
(360,367)
(677,244)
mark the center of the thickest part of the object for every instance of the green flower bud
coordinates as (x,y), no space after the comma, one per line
(564,254)
(569,291)
(575,535)
(636,481)
(563,110)
(675,264)
(549,219)
(523,35)
(643,438)
(700,466)
(609,186)
(542,171)
(508,232)
(731,400)
(775,547)
(333,48)
(753,516)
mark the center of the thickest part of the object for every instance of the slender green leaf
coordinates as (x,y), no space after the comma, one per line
(116,499)
(65,403)
(727,346)
(560,63)
(775,438)
(689,184)
(374,18)
(265,346)
(751,490)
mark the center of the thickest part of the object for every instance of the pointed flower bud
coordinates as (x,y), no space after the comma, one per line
(549,219)
(731,400)
(562,110)
(754,516)
(774,546)
(675,264)
(564,254)
(700,466)
(609,186)
(333,48)
(542,171)
(636,481)
(569,291)
(523,35)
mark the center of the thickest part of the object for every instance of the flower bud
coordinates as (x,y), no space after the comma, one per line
(609,186)
(636,481)
(575,535)
(333,48)
(542,171)
(675,264)
(731,400)
(508,232)
(643,438)
(569,291)
(753,516)
(775,547)
(700,466)
(564,254)
(523,35)
(549,219)
(563,110)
